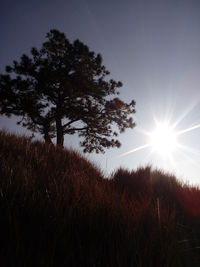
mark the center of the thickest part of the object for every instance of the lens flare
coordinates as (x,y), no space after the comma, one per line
(163,139)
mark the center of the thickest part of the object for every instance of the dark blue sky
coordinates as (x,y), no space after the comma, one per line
(153,47)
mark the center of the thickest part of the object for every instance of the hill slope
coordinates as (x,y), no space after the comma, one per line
(57,209)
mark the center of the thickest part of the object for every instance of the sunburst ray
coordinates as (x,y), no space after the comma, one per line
(134,150)
(188,129)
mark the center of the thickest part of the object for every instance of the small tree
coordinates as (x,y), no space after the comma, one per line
(62,89)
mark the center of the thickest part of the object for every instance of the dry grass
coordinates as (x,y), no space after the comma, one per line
(58,210)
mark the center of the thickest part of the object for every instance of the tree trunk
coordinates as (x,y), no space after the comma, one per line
(59,130)
(47,137)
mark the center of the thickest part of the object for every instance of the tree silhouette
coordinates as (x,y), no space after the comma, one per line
(63,89)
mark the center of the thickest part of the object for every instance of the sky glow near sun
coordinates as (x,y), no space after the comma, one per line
(163,140)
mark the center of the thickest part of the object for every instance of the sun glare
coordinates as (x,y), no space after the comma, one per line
(163,139)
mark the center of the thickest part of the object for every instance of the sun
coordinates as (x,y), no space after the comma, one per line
(163,139)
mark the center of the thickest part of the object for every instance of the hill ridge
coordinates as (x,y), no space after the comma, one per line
(57,209)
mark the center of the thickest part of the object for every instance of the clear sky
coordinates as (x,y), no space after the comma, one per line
(152,46)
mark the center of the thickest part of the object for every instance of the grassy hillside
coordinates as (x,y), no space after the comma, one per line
(57,209)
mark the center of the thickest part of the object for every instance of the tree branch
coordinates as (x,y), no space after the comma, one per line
(75,129)
(70,122)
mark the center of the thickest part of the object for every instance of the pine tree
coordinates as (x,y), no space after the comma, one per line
(63,89)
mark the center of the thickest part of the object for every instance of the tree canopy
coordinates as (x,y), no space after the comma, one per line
(63,88)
